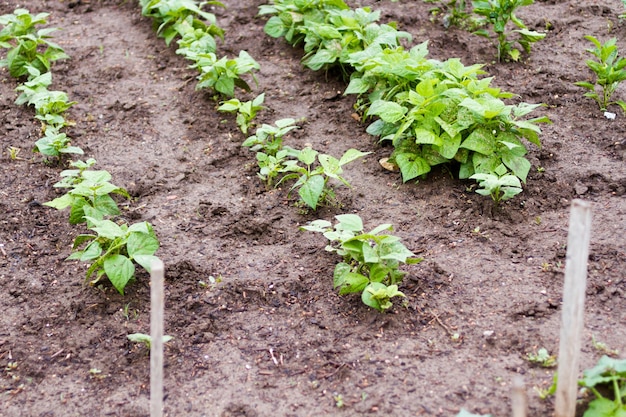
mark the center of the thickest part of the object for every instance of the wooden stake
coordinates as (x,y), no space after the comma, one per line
(573,307)
(518,397)
(156,336)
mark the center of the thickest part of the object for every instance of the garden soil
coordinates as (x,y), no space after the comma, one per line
(257,328)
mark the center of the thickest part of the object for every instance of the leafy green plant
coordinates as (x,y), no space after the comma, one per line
(268,138)
(246,111)
(611,373)
(25,43)
(609,71)
(312,183)
(271,166)
(56,144)
(500,185)
(370,260)
(452,13)
(542,357)
(113,248)
(497,14)
(146,339)
(89,193)
(168,16)
(224,74)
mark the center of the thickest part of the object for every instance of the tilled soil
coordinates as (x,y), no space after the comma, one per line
(270,336)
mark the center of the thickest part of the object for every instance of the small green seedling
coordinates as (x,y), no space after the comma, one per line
(498,13)
(146,339)
(542,357)
(113,248)
(27,46)
(370,260)
(452,13)
(500,185)
(609,70)
(89,193)
(602,347)
(271,166)
(610,373)
(246,111)
(312,183)
(56,144)
(223,75)
(268,138)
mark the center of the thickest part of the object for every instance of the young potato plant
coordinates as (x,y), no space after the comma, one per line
(312,183)
(609,71)
(113,248)
(27,46)
(610,373)
(89,194)
(246,111)
(497,14)
(371,260)
(500,185)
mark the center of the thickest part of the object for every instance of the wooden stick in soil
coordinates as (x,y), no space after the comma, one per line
(573,307)
(519,403)
(156,336)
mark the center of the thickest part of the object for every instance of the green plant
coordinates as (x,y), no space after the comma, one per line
(89,193)
(500,185)
(224,74)
(609,70)
(113,248)
(169,15)
(271,166)
(54,143)
(611,373)
(268,138)
(13,153)
(24,42)
(146,339)
(370,260)
(602,347)
(246,111)
(452,13)
(498,13)
(542,357)
(623,16)
(312,183)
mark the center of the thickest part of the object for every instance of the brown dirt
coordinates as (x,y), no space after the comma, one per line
(497,274)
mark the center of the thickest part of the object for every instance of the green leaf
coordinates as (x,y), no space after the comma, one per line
(119,269)
(481,140)
(141,244)
(351,222)
(388,111)
(146,261)
(106,228)
(311,190)
(351,155)
(411,166)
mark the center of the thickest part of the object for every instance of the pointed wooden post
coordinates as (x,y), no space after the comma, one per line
(573,307)
(156,336)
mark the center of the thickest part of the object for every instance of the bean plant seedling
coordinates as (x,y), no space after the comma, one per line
(146,339)
(312,183)
(542,357)
(370,260)
(500,185)
(609,70)
(268,138)
(497,14)
(452,13)
(27,46)
(246,111)
(89,193)
(610,373)
(113,248)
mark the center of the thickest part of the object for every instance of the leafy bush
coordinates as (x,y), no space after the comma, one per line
(24,42)
(370,260)
(611,373)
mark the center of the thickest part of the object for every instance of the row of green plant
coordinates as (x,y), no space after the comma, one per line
(197,31)
(111,246)
(371,260)
(30,52)
(432,112)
